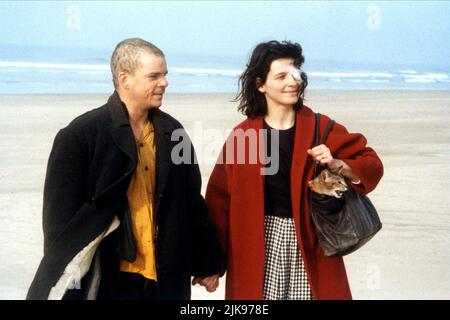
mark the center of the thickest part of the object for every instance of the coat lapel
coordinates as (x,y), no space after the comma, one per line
(301,161)
(122,136)
(163,149)
(124,139)
(121,130)
(257,125)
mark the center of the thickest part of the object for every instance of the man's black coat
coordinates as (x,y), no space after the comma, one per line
(89,169)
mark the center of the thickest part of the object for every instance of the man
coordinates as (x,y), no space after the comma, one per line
(121,219)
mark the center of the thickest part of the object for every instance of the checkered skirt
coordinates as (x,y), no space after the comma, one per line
(285,275)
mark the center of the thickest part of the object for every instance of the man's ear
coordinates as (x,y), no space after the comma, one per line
(260,86)
(122,79)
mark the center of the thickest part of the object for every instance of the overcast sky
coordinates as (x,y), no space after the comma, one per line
(412,32)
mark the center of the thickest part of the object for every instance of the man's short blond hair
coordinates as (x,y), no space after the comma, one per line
(127,56)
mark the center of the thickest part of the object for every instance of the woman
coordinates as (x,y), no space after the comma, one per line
(270,250)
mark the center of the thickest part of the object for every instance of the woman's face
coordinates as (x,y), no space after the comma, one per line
(283,84)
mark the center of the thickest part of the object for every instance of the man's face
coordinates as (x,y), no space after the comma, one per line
(282,84)
(147,85)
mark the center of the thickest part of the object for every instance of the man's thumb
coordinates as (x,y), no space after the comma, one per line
(195,281)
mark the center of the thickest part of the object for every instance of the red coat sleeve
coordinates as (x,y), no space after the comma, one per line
(218,201)
(352,149)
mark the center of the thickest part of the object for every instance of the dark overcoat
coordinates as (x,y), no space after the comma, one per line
(89,169)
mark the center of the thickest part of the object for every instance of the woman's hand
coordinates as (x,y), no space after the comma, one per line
(321,154)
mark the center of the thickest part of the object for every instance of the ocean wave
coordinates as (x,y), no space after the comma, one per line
(206,72)
(370,80)
(335,75)
(425,78)
(408,71)
(48,65)
(223,77)
(420,80)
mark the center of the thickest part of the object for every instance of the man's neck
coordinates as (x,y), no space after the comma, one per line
(137,114)
(280,117)
(138,117)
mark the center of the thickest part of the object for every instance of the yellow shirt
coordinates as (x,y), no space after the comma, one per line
(140,200)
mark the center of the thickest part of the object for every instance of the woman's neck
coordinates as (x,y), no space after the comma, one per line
(280,117)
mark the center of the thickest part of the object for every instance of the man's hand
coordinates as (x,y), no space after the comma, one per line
(210,283)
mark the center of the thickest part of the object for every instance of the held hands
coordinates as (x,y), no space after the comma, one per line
(210,283)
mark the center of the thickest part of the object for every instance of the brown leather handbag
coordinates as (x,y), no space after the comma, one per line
(345,224)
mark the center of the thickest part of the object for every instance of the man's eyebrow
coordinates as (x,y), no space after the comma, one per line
(282,72)
(156,73)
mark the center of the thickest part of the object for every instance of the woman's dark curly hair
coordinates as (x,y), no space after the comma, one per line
(252,103)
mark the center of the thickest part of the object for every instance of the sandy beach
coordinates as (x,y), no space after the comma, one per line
(410,130)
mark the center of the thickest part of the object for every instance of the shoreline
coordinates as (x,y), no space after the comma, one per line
(343,90)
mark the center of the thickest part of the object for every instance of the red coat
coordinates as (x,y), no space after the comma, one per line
(235,198)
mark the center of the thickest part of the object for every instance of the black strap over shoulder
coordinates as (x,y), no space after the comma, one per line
(327,130)
(317,130)
(317,135)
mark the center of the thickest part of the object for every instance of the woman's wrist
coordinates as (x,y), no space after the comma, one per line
(335,165)
(339,166)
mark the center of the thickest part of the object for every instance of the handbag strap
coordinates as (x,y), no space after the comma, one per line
(317,136)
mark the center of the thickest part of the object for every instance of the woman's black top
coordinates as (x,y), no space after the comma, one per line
(277,189)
